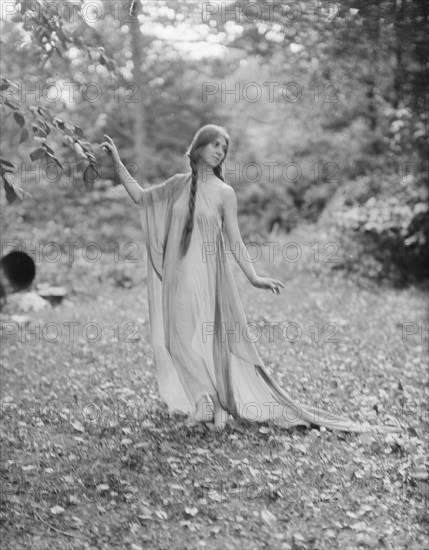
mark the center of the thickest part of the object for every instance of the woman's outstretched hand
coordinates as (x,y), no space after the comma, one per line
(267,282)
(110,148)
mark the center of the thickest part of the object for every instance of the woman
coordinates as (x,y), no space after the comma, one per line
(205,365)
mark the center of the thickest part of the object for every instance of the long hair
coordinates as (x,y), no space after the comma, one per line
(205,135)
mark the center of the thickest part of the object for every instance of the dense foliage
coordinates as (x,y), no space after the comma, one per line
(340,97)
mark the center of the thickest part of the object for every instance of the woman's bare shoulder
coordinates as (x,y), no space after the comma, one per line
(227,196)
(227,191)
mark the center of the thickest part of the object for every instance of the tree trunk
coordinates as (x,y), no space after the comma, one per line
(371,80)
(398,71)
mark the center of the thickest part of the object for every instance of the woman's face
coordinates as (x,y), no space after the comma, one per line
(214,153)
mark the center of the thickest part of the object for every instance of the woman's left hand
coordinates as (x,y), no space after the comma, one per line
(267,282)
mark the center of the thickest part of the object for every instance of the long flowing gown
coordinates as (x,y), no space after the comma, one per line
(196,316)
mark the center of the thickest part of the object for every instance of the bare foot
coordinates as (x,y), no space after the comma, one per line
(204,411)
(220,418)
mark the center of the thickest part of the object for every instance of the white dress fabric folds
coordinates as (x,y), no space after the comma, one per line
(196,316)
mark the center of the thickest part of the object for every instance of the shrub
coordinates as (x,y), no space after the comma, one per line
(385,231)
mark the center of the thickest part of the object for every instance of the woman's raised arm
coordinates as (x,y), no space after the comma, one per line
(131,185)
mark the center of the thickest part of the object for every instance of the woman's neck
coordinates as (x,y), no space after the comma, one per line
(204,173)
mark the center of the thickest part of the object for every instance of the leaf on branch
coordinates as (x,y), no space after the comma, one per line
(37,154)
(78,131)
(5,83)
(19,119)
(14,105)
(45,113)
(110,65)
(67,140)
(39,131)
(63,36)
(69,128)
(134,8)
(60,123)
(24,135)
(43,125)
(78,41)
(86,144)
(54,158)
(78,150)
(7,163)
(48,149)
(87,147)
(66,127)
(12,188)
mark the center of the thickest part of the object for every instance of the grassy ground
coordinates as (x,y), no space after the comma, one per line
(91,458)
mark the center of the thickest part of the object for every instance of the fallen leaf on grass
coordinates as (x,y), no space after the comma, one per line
(134,527)
(300,447)
(178,487)
(420,474)
(268,517)
(200,451)
(364,510)
(366,438)
(359,526)
(161,514)
(253,472)
(191,526)
(214,495)
(55,510)
(191,511)
(77,520)
(145,513)
(28,468)
(78,426)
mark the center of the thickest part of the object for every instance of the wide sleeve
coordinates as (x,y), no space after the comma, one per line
(154,203)
(155,208)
